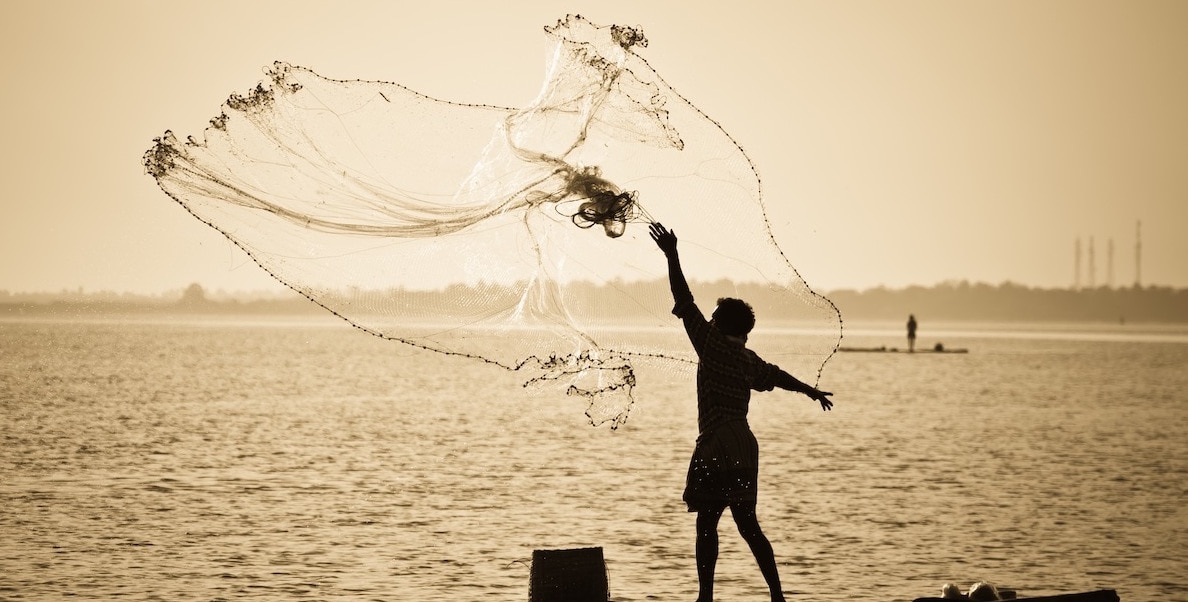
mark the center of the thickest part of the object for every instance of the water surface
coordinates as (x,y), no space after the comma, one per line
(202,460)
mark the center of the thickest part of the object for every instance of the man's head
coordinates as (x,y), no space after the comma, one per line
(734,317)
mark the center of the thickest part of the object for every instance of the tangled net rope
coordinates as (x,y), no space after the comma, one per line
(466,229)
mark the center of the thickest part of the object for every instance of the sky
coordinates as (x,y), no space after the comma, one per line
(900,143)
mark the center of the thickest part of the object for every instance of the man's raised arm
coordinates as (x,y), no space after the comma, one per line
(667,241)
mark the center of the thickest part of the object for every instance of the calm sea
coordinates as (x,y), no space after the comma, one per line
(278,460)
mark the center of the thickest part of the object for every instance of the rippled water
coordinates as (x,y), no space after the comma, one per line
(277,460)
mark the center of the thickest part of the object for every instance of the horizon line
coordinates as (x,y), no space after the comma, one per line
(283,290)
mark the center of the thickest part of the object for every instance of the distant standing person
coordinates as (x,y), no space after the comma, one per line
(911,326)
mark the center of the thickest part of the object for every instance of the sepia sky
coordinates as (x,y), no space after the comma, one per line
(906,142)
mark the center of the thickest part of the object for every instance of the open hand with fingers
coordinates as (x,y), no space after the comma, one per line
(823,397)
(665,238)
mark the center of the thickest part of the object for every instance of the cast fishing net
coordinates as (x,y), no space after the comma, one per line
(509,236)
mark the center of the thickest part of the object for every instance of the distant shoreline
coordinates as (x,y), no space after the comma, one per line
(962,301)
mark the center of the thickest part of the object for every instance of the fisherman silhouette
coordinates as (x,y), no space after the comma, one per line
(724,470)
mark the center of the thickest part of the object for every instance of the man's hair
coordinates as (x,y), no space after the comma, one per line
(734,316)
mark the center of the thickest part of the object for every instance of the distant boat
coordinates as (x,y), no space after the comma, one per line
(1101,595)
(938,348)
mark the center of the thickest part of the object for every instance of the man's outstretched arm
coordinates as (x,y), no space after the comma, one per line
(791,383)
(667,241)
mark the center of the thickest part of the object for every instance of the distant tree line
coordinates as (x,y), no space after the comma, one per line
(1013,302)
(947,301)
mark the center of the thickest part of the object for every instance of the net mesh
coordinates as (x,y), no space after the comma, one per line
(509,236)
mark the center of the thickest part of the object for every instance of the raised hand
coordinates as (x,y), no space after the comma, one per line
(665,239)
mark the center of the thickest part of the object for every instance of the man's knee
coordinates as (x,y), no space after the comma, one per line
(707,520)
(746,521)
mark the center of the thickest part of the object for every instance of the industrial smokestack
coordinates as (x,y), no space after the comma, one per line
(1077,265)
(1110,263)
(1092,268)
(1138,254)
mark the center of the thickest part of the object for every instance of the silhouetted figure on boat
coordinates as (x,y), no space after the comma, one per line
(911,328)
(724,470)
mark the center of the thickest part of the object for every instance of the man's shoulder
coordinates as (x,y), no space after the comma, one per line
(755,361)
